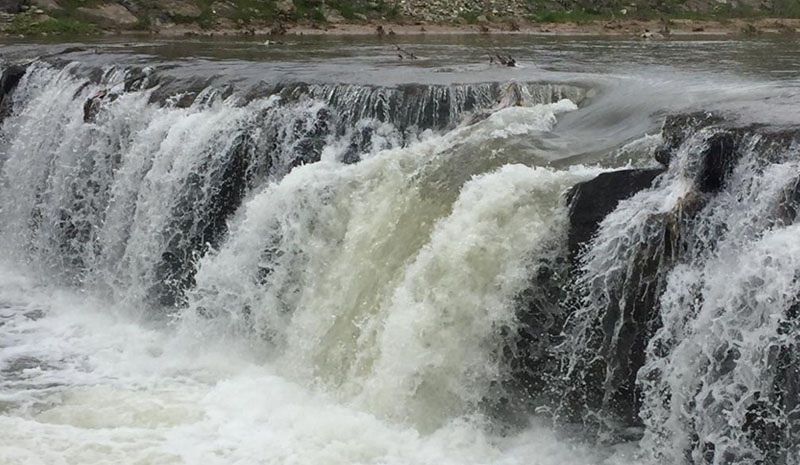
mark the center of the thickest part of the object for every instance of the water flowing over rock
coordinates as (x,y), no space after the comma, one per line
(8,82)
(640,345)
(392,247)
(593,200)
(219,144)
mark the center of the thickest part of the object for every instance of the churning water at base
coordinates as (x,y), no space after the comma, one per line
(90,385)
(201,267)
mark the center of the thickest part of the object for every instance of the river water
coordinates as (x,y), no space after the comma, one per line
(310,252)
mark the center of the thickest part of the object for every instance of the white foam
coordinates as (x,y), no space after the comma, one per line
(116,391)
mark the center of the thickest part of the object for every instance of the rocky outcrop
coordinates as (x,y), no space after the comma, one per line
(332,15)
(266,14)
(8,82)
(47,5)
(710,149)
(200,218)
(453,10)
(601,324)
(181,9)
(109,15)
(590,201)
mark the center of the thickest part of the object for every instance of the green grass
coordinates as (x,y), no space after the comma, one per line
(786,8)
(471,17)
(27,25)
(253,10)
(308,10)
(568,16)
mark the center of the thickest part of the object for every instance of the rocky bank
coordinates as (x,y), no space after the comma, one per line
(45,17)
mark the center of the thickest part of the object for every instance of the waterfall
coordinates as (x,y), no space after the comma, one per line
(687,302)
(394,250)
(124,193)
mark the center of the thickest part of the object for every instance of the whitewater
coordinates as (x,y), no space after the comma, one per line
(248,258)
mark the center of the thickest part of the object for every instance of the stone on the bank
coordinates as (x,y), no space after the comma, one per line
(182,9)
(110,14)
(222,8)
(285,6)
(46,5)
(332,15)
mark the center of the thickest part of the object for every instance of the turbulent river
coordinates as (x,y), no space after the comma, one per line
(316,252)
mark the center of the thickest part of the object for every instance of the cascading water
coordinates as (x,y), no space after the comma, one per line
(689,296)
(197,270)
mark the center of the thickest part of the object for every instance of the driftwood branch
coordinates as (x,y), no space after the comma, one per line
(403,53)
(501,59)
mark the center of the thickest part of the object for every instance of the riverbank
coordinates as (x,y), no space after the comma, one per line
(644,29)
(32,18)
(650,29)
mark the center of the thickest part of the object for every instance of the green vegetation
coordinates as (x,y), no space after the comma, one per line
(28,25)
(786,8)
(251,10)
(569,16)
(471,17)
(308,10)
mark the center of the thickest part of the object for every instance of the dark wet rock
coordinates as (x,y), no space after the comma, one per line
(602,385)
(723,145)
(200,219)
(789,205)
(677,128)
(92,106)
(179,93)
(8,82)
(11,77)
(533,367)
(718,160)
(590,201)
(360,141)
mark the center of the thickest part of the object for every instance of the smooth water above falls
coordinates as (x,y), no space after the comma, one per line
(220,252)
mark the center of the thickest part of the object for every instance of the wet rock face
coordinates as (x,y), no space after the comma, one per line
(590,201)
(605,381)
(9,80)
(601,384)
(677,128)
(200,219)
